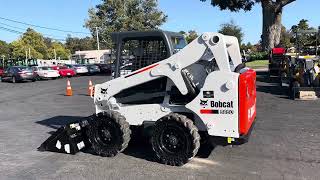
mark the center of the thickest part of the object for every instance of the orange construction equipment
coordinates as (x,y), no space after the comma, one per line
(69,89)
(90,88)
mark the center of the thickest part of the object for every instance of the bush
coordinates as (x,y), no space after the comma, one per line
(258,56)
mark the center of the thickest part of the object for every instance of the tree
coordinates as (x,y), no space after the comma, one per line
(285,39)
(123,15)
(35,41)
(79,44)
(61,51)
(191,35)
(232,29)
(4,49)
(19,49)
(303,39)
(271,13)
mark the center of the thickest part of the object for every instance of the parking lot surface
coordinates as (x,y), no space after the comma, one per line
(285,142)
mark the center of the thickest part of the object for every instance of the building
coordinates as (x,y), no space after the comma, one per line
(92,56)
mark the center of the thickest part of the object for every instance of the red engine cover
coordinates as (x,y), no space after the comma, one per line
(278,51)
(247,100)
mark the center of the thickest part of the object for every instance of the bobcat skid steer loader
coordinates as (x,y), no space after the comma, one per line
(203,87)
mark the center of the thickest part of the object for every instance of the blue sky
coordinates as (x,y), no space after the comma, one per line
(182,15)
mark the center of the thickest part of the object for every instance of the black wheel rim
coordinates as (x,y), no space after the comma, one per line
(173,140)
(108,134)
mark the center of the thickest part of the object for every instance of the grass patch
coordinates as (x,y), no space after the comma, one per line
(258,64)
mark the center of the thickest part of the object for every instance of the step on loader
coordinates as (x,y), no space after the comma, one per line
(178,91)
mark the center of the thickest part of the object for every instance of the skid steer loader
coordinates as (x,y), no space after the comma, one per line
(203,87)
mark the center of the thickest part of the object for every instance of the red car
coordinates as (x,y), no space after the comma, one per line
(64,71)
(1,71)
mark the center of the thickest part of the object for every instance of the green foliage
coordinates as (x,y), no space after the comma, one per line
(4,49)
(40,47)
(123,15)
(35,41)
(285,39)
(303,39)
(80,44)
(191,35)
(247,47)
(232,29)
(234,5)
(272,11)
(258,56)
(19,49)
(61,51)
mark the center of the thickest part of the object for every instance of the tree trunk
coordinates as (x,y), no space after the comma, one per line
(271,29)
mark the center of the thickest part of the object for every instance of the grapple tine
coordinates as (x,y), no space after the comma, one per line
(68,139)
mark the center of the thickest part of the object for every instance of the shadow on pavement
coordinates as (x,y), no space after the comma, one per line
(270,85)
(58,121)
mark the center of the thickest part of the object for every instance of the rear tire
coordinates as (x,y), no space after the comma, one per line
(108,133)
(175,139)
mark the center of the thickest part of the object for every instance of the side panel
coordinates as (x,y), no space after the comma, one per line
(217,104)
(247,100)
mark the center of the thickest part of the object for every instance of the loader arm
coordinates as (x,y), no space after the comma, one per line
(205,47)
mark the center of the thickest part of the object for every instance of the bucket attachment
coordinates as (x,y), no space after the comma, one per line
(69,139)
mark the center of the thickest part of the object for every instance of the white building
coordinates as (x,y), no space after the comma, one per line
(92,56)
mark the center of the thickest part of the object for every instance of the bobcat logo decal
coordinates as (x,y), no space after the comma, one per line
(104,91)
(203,102)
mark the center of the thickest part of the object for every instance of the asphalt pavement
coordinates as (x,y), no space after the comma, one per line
(285,142)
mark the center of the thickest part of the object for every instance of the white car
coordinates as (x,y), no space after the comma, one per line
(45,72)
(79,69)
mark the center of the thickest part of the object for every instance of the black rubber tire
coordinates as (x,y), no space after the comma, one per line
(117,128)
(186,135)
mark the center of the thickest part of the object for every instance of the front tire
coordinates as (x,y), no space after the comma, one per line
(109,133)
(175,139)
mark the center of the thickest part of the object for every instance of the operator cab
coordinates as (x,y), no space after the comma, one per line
(137,49)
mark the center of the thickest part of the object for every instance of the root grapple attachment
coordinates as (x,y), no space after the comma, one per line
(69,139)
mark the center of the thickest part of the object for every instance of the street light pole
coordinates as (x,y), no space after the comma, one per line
(97,38)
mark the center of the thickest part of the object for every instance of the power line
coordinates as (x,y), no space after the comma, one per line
(18,32)
(11,30)
(55,29)
(49,35)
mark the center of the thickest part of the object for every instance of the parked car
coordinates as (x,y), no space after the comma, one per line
(79,69)
(18,74)
(1,72)
(93,69)
(45,72)
(104,68)
(64,71)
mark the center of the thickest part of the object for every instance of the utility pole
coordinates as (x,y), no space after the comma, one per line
(55,54)
(26,57)
(98,38)
(29,53)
